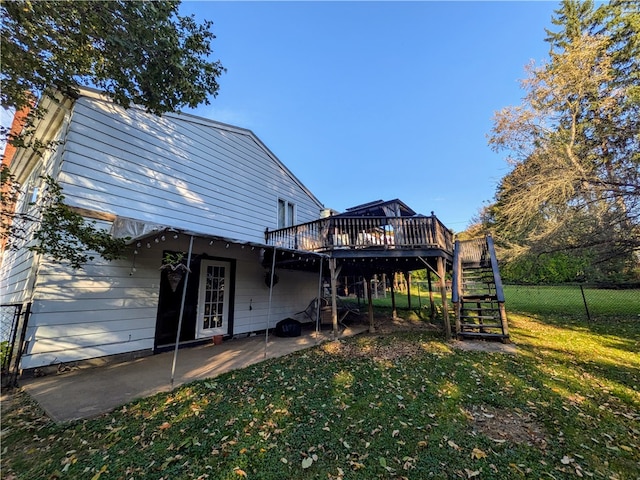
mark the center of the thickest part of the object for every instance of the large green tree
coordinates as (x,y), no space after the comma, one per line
(574,143)
(137,52)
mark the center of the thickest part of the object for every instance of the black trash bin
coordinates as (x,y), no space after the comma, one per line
(288,328)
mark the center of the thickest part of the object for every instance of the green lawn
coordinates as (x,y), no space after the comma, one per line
(403,405)
(567,300)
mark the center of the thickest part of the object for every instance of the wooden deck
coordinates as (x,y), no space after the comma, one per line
(384,243)
(358,233)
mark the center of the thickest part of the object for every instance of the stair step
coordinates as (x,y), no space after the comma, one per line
(497,336)
(479,325)
(479,309)
(479,317)
(480,298)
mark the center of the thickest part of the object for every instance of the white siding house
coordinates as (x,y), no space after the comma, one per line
(171,181)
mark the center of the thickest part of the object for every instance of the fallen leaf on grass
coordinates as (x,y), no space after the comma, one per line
(307,462)
(100,472)
(453,445)
(240,472)
(478,454)
(471,473)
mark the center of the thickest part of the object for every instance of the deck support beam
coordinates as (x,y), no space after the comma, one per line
(443,293)
(372,328)
(432,303)
(394,311)
(334,271)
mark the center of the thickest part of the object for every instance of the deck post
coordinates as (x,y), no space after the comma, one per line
(394,312)
(372,328)
(407,279)
(334,293)
(443,293)
(432,303)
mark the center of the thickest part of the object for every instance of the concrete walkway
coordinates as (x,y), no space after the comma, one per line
(86,393)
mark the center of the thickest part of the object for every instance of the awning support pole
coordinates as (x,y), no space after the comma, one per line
(266,331)
(319,304)
(184,296)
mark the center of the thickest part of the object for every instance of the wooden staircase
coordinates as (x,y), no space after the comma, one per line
(477,293)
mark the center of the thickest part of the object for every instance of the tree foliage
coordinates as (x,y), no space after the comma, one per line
(62,234)
(574,142)
(137,52)
(141,53)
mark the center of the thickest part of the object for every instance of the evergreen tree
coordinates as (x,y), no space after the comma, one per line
(574,143)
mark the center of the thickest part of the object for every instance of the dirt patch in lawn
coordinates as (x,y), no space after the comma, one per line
(388,324)
(375,350)
(504,425)
(378,347)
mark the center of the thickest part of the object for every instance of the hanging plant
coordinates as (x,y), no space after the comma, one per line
(172,263)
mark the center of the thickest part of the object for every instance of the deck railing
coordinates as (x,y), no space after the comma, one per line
(341,232)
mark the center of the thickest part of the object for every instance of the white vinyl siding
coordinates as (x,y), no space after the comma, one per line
(100,310)
(19,265)
(176,170)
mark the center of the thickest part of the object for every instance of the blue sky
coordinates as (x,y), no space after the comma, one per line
(378,100)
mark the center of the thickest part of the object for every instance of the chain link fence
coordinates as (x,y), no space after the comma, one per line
(580,301)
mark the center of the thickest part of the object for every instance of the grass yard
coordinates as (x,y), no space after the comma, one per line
(400,405)
(567,301)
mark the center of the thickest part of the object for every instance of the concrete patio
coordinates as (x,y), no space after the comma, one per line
(86,393)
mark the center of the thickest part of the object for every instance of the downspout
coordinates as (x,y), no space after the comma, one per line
(184,295)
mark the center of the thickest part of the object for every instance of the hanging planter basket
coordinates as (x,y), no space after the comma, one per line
(172,263)
(174,278)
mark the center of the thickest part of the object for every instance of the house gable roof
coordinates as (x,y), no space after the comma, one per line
(380,208)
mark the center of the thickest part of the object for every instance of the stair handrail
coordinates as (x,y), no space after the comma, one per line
(496,271)
(457,270)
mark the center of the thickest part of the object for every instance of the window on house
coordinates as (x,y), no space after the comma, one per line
(30,192)
(286,213)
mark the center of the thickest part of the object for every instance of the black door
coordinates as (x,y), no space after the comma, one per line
(169,302)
